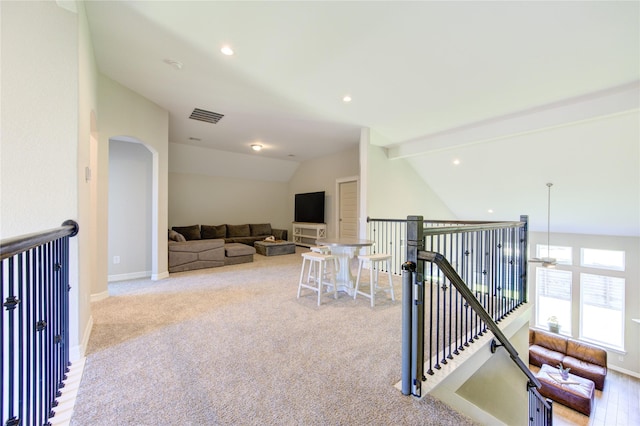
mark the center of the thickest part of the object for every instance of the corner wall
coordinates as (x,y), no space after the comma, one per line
(125,115)
(46,73)
(395,190)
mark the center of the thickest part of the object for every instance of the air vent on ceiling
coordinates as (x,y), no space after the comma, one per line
(203,115)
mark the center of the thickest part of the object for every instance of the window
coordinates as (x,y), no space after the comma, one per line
(561,254)
(553,297)
(602,309)
(602,259)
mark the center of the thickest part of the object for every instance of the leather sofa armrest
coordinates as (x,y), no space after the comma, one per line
(280,234)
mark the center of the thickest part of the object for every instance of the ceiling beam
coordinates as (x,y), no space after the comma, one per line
(606,103)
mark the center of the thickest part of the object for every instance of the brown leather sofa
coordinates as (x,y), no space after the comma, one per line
(585,360)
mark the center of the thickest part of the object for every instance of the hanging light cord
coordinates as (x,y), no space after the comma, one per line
(549,185)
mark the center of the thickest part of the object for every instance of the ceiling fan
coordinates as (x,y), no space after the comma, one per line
(547,262)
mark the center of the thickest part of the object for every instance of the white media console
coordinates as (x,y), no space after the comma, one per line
(306,234)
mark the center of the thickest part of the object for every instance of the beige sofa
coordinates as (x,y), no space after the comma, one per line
(199,254)
(202,246)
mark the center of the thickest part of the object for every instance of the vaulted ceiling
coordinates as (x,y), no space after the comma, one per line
(522,93)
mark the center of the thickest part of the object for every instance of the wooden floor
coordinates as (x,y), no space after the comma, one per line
(617,405)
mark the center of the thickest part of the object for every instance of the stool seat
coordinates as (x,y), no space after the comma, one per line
(375,260)
(321,272)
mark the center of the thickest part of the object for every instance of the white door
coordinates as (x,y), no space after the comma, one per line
(348,209)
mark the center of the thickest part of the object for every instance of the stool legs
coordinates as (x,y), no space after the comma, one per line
(373,279)
(318,274)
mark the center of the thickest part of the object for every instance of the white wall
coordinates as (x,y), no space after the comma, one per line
(125,115)
(46,73)
(87,188)
(215,200)
(130,210)
(320,175)
(630,362)
(396,191)
(39,117)
(213,187)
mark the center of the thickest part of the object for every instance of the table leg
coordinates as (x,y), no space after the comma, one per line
(345,280)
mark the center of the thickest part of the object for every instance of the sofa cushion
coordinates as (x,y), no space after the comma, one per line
(551,341)
(212,232)
(195,246)
(238,230)
(593,372)
(260,229)
(175,236)
(539,355)
(237,249)
(190,232)
(586,352)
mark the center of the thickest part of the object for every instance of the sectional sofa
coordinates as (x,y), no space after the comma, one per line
(201,246)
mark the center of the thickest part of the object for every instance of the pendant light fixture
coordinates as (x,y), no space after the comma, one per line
(547,261)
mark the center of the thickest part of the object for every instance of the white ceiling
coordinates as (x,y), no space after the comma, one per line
(414,70)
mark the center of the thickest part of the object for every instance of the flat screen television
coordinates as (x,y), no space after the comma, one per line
(309,207)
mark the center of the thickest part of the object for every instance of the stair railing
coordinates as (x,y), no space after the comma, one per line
(446,313)
(34,288)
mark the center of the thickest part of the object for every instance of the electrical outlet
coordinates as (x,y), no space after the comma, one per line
(620,357)
(116,260)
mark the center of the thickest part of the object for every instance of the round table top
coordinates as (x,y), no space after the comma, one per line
(349,242)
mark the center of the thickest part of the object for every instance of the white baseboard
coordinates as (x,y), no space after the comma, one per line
(129,276)
(160,276)
(99,296)
(77,352)
(624,371)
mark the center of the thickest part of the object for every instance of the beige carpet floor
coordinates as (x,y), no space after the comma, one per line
(234,346)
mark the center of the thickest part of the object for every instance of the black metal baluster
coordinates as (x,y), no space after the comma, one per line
(2,340)
(10,305)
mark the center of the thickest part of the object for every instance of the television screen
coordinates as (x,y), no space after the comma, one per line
(309,207)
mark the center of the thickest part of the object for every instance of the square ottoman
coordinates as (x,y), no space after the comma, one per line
(275,248)
(575,392)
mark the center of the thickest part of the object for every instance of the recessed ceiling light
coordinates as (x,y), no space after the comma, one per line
(490,211)
(226,50)
(175,64)
(256,146)
(346,99)
(456,162)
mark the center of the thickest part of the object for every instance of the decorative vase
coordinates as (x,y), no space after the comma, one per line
(554,327)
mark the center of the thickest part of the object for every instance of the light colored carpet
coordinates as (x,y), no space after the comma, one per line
(233,345)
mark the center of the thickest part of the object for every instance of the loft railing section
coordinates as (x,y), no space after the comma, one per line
(34,287)
(461,280)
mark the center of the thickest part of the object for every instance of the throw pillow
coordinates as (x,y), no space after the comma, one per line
(260,229)
(190,232)
(238,231)
(175,236)
(208,232)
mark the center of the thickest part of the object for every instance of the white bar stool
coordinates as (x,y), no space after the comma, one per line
(325,250)
(375,261)
(318,273)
